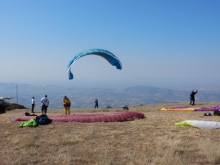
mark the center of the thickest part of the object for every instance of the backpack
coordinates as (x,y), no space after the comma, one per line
(207,114)
(125,107)
(43,119)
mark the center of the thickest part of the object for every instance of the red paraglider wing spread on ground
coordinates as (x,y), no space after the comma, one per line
(90,118)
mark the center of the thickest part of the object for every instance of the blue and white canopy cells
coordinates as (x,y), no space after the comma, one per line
(110,57)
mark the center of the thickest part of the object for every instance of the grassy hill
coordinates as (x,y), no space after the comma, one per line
(154,140)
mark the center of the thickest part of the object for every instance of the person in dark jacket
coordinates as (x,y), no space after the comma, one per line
(192,97)
(96,103)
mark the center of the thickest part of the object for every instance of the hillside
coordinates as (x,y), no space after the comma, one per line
(149,141)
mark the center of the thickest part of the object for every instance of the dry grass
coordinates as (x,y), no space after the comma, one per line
(154,140)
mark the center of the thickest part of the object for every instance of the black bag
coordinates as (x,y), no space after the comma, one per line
(27,114)
(217,112)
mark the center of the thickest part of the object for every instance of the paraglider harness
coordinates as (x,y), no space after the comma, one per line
(207,114)
(28,114)
(125,107)
(217,112)
(43,119)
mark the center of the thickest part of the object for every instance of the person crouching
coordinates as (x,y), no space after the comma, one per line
(66,103)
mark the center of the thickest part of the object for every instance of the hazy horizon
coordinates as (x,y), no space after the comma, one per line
(120,86)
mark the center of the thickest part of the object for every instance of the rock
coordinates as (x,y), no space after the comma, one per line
(12,106)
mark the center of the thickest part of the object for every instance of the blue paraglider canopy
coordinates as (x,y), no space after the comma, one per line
(110,57)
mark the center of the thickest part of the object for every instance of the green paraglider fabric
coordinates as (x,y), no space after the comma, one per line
(29,123)
(183,123)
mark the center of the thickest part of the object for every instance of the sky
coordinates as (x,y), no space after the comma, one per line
(160,43)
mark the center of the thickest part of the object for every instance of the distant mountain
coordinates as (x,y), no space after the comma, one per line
(84,97)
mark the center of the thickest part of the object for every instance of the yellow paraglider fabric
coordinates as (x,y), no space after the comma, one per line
(178,109)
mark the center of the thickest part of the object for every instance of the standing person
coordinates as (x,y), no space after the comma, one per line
(192,97)
(33,104)
(96,103)
(45,104)
(66,103)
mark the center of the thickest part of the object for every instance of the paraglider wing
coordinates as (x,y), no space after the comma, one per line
(110,57)
(91,117)
(199,124)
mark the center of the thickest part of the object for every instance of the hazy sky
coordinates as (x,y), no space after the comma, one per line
(160,43)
